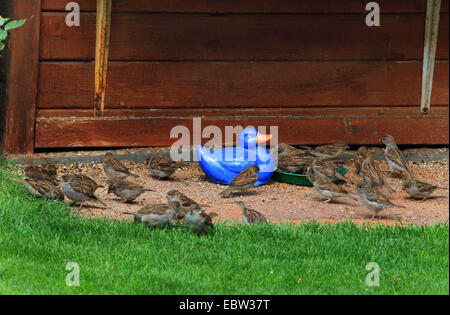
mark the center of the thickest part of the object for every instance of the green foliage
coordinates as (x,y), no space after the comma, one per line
(6,26)
(39,237)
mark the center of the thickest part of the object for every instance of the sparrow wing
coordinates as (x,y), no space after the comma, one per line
(82,189)
(246,177)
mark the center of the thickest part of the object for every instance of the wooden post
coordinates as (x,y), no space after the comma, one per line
(101,54)
(22,75)
(429,52)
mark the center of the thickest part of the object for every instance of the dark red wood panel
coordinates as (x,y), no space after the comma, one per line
(242,37)
(408,126)
(21,89)
(239,6)
(239,84)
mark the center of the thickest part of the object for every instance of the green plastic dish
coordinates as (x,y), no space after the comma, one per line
(297,179)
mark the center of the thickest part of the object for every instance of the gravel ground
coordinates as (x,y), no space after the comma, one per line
(278,201)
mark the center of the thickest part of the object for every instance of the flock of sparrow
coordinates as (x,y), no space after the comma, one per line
(321,164)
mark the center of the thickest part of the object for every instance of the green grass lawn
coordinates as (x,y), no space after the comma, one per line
(39,237)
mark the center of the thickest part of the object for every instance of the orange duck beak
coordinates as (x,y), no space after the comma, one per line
(263,138)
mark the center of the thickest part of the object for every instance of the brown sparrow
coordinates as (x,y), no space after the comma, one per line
(198,221)
(242,181)
(41,188)
(181,203)
(286,149)
(368,170)
(328,169)
(419,190)
(294,163)
(250,216)
(161,166)
(154,215)
(327,188)
(394,156)
(46,172)
(86,180)
(126,190)
(114,169)
(330,151)
(373,199)
(77,191)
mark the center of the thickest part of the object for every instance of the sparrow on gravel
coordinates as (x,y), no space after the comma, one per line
(373,199)
(419,190)
(41,188)
(114,169)
(294,163)
(181,203)
(77,191)
(242,181)
(328,169)
(154,215)
(368,170)
(327,188)
(330,151)
(86,180)
(250,216)
(394,156)
(161,166)
(283,149)
(125,190)
(46,172)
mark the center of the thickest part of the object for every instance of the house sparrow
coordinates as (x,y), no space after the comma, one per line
(114,169)
(328,152)
(373,199)
(160,166)
(368,170)
(78,192)
(327,188)
(181,203)
(126,190)
(86,180)
(154,215)
(250,216)
(242,181)
(394,156)
(419,190)
(294,163)
(286,149)
(46,172)
(328,169)
(41,188)
(198,221)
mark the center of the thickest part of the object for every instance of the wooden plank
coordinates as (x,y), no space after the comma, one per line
(103,30)
(22,79)
(174,37)
(299,112)
(239,6)
(429,53)
(240,84)
(148,131)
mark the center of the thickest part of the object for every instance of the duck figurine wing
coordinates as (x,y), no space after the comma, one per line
(221,166)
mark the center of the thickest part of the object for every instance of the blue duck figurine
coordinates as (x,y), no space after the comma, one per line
(221,166)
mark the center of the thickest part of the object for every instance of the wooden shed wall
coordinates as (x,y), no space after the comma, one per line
(311,67)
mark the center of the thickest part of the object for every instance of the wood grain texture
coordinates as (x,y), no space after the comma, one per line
(242,37)
(243,6)
(115,131)
(21,90)
(240,84)
(299,112)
